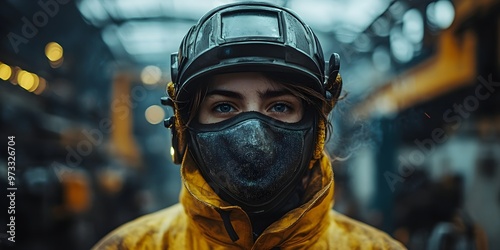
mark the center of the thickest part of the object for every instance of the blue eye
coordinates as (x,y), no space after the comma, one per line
(280,107)
(223,108)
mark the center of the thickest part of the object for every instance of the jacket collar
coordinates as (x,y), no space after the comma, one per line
(299,226)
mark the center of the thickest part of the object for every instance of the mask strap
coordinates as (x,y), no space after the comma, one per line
(227,224)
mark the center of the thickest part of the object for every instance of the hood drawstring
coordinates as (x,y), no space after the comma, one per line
(227,224)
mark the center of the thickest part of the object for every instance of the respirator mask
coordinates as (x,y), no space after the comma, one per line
(252,160)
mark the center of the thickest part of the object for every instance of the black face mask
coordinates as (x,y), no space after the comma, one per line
(252,160)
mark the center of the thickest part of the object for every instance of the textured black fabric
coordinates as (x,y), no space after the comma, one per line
(253,159)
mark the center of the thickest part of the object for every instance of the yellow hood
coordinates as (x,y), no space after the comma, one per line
(204,208)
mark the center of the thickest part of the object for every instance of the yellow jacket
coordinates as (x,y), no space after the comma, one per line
(196,223)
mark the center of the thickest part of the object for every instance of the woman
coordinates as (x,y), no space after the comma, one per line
(251,95)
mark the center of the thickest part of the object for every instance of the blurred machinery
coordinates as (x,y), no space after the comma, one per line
(438,124)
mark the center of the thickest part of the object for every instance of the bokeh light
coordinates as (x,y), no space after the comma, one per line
(54,51)
(25,79)
(440,14)
(5,71)
(36,82)
(413,26)
(151,75)
(155,114)
(401,48)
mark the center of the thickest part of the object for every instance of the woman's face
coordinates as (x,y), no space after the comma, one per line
(231,94)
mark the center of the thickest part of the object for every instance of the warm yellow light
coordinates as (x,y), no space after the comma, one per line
(41,86)
(36,82)
(151,75)
(5,71)
(172,151)
(25,79)
(155,114)
(53,51)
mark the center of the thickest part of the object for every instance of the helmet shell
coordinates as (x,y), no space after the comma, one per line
(245,37)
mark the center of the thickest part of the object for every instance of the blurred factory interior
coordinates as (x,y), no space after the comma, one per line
(416,140)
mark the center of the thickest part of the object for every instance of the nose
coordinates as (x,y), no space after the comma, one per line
(256,141)
(257,134)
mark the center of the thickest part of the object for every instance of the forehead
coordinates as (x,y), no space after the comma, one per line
(243,82)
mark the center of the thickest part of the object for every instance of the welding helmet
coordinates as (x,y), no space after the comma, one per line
(251,37)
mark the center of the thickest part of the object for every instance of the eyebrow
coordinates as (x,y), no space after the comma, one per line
(262,94)
(273,93)
(226,93)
